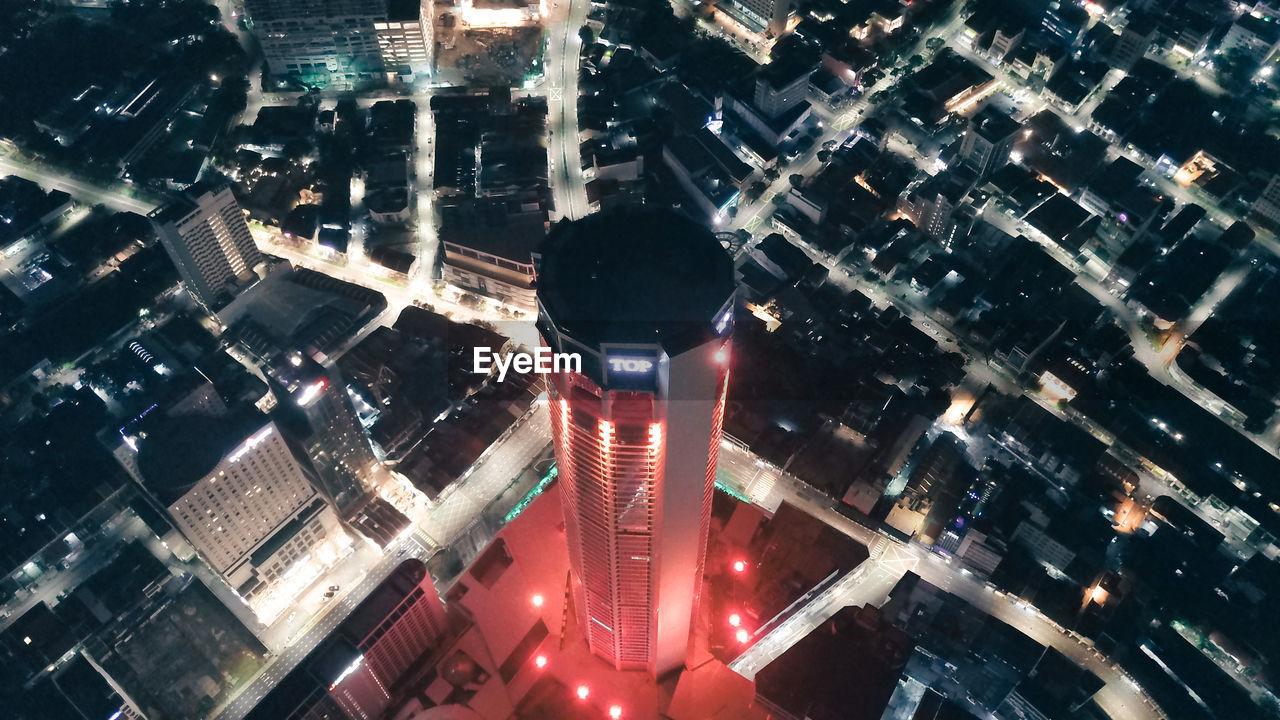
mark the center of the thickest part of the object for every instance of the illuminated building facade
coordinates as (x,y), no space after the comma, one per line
(484,14)
(315,408)
(208,239)
(645,297)
(760,16)
(320,42)
(404,38)
(235,490)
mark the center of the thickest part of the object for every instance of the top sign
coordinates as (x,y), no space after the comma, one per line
(630,365)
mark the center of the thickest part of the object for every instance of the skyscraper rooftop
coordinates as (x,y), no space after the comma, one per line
(634,275)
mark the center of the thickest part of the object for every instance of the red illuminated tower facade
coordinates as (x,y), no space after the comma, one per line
(645,298)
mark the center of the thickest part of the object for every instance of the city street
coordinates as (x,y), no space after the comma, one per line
(123,528)
(754,216)
(871,582)
(561,83)
(454,519)
(453,514)
(83,191)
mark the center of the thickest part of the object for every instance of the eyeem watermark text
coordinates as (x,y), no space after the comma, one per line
(541,361)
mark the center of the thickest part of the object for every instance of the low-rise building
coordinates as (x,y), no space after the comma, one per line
(987,141)
(1267,207)
(1256,36)
(489,244)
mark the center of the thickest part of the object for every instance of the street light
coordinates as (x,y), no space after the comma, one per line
(615,712)
(739,565)
(540,661)
(742,635)
(583,692)
(735,620)
(537,600)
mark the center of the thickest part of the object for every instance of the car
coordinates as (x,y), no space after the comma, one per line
(334,588)
(328,595)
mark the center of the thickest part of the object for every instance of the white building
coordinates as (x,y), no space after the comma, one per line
(404,38)
(234,488)
(320,42)
(1267,206)
(208,239)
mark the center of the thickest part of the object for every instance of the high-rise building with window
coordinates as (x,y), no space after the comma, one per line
(320,42)
(404,37)
(761,16)
(207,237)
(233,486)
(316,410)
(645,298)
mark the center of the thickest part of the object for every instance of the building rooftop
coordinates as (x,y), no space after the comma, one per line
(177,454)
(847,669)
(786,71)
(993,125)
(495,226)
(634,275)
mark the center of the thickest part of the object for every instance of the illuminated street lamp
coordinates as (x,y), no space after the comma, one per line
(739,566)
(583,692)
(742,635)
(537,600)
(735,620)
(540,661)
(615,712)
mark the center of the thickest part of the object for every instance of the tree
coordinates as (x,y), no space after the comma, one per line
(796,179)
(587,36)
(824,155)
(297,148)
(934,44)
(1236,70)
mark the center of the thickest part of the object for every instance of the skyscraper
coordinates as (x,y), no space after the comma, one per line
(315,408)
(235,489)
(207,237)
(645,297)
